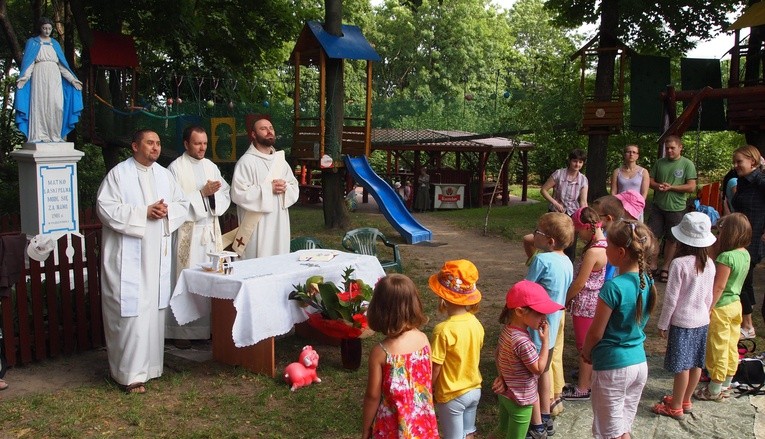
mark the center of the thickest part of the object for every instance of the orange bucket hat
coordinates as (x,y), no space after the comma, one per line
(455,283)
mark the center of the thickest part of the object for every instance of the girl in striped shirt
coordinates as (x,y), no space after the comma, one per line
(518,363)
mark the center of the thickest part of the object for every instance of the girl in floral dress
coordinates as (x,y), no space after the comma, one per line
(399,397)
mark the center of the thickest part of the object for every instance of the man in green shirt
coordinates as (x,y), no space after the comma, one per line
(673,177)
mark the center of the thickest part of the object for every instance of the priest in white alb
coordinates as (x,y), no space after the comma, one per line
(263,188)
(140,205)
(208,195)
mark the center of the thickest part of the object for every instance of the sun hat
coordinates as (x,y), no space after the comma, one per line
(695,229)
(40,247)
(633,203)
(533,295)
(455,283)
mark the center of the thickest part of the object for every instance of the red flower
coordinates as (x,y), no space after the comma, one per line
(347,296)
(355,288)
(361,319)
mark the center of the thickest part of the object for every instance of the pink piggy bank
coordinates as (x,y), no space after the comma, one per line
(303,372)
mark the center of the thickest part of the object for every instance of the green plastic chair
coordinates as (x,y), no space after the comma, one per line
(365,241)
(304,243)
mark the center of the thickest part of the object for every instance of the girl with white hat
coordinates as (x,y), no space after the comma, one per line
(684,320)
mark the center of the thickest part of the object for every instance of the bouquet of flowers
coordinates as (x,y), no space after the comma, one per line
(341,310)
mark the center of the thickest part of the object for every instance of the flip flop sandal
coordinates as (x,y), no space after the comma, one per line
(138,388)
(3,385)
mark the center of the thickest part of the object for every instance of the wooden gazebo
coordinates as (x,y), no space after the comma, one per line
(435,144)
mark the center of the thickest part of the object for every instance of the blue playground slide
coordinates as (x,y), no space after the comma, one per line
(389,202)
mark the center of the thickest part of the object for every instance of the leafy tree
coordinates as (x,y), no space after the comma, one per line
(669,28)
(438,48)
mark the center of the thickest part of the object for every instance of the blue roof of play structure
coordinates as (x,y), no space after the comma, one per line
(351,45)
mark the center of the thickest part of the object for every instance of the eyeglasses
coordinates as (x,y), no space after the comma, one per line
(539,232)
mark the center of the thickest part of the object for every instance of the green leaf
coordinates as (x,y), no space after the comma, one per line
(329,298)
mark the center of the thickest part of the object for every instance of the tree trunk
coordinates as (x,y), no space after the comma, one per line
(37,10)
(752,76)
(597,146)
(332,181)
(9,33)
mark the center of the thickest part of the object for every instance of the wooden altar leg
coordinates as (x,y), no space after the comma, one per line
(258,358)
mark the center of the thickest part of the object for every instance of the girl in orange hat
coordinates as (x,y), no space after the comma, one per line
(457,344)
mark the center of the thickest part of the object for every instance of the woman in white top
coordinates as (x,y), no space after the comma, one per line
(630,175)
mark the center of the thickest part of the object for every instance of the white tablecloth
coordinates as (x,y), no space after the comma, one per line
(260,289)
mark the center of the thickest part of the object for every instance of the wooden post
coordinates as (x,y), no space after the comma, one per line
(368,116)
(525,178)
(296,123)
(322,102)
(483,157)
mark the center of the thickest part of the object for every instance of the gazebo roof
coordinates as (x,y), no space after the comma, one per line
(392,139)
(351,45)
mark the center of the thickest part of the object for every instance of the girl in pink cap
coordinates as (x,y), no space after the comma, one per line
(456,345)
(582,296)
(518,362)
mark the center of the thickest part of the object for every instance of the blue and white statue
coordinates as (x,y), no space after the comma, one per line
(48,99)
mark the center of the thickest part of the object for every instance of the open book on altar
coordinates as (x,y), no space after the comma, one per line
(317,255)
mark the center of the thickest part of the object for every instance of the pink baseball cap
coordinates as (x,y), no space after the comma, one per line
(533,295)
(633,203)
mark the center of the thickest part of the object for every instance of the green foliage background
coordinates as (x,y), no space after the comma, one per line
(459,65)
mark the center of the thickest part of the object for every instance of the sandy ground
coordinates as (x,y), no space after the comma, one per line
(500,265)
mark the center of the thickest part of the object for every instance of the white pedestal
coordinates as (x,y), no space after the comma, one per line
(48,188)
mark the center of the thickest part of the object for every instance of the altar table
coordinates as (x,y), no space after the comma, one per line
(250,306)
